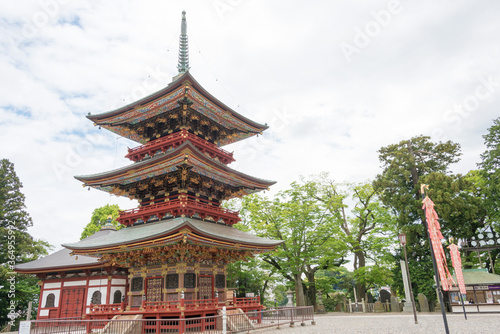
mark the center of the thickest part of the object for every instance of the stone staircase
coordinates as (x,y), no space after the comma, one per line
(237,321)
(125,327)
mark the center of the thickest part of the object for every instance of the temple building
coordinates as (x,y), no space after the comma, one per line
(170,259)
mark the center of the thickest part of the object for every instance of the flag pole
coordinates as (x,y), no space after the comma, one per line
(463,305)
(436,273)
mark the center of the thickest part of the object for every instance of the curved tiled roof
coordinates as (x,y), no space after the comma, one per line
(62,259)
(209,105)
(171,159)
(151,231)
(478,277)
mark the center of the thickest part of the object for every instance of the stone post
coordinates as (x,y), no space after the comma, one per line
(363,305)
(321,307)
(408,306)
(395,304)
(289,295)
(422,301)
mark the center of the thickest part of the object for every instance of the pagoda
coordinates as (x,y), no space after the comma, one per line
(171,257)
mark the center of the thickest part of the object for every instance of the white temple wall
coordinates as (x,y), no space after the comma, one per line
(75,283)
(91,290)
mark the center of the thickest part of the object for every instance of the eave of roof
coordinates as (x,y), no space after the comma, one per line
(62,260)
(152,231)
(187,77)
(478,277)
(164,157)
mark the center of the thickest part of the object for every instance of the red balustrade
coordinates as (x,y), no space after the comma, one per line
(170,305)
(246,301)
(174,305)
(198,304)
(107,308)
(177,207)
(176,139)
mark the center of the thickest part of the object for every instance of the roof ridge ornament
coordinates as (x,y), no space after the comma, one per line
(183,65)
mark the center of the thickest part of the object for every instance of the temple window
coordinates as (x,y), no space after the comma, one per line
(172,281)
(49,301)
(220,281)
(117,297)
(96,298)
(136,284)
(189,280)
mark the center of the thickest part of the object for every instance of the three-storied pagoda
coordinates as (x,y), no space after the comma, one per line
(171,258)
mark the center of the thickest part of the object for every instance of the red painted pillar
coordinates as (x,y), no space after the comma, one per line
(40,301)
(59,304)
(108,288)
(85,296)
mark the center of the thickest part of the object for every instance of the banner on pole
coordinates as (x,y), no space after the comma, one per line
(437,246)
(456,262)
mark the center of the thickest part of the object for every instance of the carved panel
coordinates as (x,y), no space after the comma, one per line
(153,289)
(136,301)
(172,297)
(206,287)
(220,281)
(136,284)
(189,280)
(172,281)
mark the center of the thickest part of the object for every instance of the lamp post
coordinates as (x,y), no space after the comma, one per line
(402,239)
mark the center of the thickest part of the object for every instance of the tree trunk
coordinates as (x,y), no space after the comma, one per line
(361,261)
(299,290)
(311,290)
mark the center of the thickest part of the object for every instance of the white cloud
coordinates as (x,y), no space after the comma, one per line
(275,62)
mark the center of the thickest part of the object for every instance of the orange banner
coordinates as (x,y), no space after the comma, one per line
(456,262)
(437,246)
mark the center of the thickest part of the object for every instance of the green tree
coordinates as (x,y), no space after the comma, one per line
(490,172)
(251,276)
(16,245)
(403,165)
(100,218)
(308,230)
(488,180)
(368,230)
(406,166)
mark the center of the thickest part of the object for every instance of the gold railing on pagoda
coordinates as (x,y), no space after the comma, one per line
(173,140)
(178,207)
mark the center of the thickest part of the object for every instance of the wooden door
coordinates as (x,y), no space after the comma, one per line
(206,287)
(153,289)
(72,302)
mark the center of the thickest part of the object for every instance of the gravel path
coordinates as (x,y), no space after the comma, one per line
(394,323)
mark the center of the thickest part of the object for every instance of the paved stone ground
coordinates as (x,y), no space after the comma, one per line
(388,323)
(394,323)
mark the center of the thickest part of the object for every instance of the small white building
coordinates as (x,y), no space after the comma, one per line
(483,292)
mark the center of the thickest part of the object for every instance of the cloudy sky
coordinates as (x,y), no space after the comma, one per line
(334,80)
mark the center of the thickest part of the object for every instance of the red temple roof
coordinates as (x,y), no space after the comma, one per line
(166,100)
(163,163)
(172,231)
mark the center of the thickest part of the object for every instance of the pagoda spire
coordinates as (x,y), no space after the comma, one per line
(183,65)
